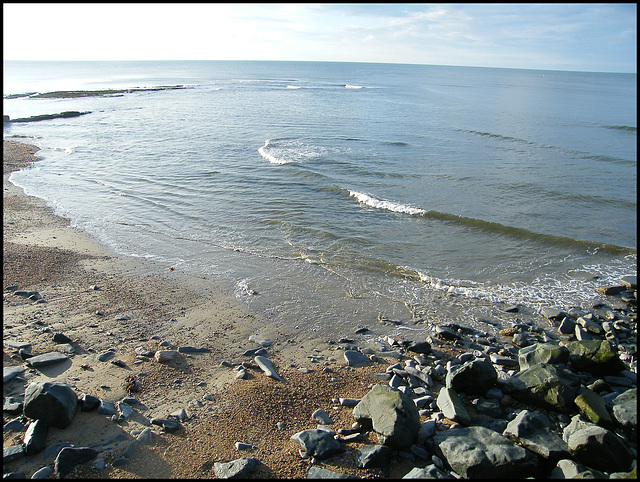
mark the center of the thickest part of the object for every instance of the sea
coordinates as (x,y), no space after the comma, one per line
(330,196)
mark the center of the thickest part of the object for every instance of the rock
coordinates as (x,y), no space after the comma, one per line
(593,407)
(600,449)
(533,432)
(421,347)
(545,386)
(120,461)
(625,409)
(569,469)
(122,318)
(130,450)
(164,356)
(88,402)
(629,282)
(391,414)
(191,349)
(473,377)
(266,366)
(54,403)
(125,409)
(429,472)
(106,356)
(239,468)
(320,473)
(610,290)
(35,438)
(553,314)
(14,425)
(355,358)
(12,405)
(420,375)
(42,473)
(167,425)
(12,453)
(69,457)
(567,326)
(98,464)
(373,456)
(349,402)
(180,414)
(477,452)
(243,446)
(46,359)
(322,417)
(542,353)
(446,333)
(106,408)
(260,341)
(597,357)
(589,325)
(18,345)
(145,437)
(449,402)
(9,373)
(318,443)
(61,338)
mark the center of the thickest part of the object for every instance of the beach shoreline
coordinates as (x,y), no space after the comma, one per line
(85,286)
(129,307)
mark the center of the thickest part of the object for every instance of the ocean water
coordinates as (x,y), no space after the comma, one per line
(331,194)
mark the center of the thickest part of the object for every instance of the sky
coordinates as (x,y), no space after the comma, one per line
(549,36)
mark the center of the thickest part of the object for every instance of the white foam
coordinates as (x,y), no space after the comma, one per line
(347,86)
(293,87)
(272,159)
(387,205)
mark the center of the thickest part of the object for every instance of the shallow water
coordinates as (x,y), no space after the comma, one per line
(328,193)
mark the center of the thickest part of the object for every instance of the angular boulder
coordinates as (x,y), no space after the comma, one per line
(35,438)
(533,432)
(391,414)
(478,452)
(545,386)
(625,409)
(597,357)
(373,456)
(601,449)
(473,377)
(69,457)
(542,353)
(54,403)
(318,443)
(451,405)
(593,407)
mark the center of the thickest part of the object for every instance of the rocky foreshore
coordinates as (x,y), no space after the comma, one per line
(141,376)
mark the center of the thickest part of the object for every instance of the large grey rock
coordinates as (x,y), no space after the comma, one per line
(35,438)
(373,456)
(533,432)
(54,403)
(9,373)
(239,468)
(545,386)
(600,449)
(429,472)
(267,367)
(451,405)
(318,443)
(46,359)
(320,473)
(391,414)
(355,358)
(570,469)
(542,353)
(597,357)
(477,452)
(69,457)
(473,377)
(625,409)
(593,407)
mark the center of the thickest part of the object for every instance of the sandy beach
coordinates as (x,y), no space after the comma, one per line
(85,287)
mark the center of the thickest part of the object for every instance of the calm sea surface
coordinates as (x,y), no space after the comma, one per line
(328,193)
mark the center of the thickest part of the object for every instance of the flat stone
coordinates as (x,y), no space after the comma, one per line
(320,473)
(54,403)
(69,457)
(318,443)
(191,349)
(267,367)
(35,437)
(12,453)
(106,356)
(106,408)
(355,358)
(260,341)
(9,373)
(145,437)
(322,417)
(449,402)
(164,356)
(239,468)
(46,359)
(18,345)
